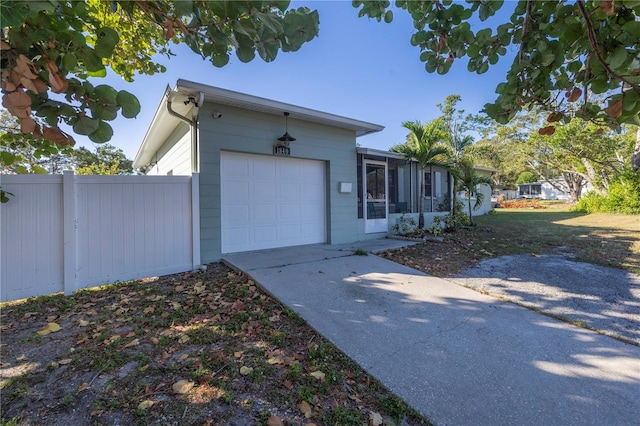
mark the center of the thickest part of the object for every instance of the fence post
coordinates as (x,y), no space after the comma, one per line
(69,234)
(195,220)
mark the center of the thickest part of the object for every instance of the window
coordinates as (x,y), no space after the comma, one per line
(428,188)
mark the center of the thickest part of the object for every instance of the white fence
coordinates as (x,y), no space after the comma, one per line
(64,233)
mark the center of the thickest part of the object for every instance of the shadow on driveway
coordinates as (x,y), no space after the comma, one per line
(602,298)
(455,355)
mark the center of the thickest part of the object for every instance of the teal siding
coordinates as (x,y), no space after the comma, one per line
(254,132)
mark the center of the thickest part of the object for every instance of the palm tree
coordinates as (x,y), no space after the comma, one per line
(468,181)
(424,146)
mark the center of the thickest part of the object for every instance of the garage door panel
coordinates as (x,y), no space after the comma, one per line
(289,171)
(264,191)
(313,174)
(264,168)
(270,202)
(312,213)
(235,237)
(289,232)
(236,215)
(289,213)
(264,213)
(266,234)
(235,166)
(312,192)
(237,191)
(288,192)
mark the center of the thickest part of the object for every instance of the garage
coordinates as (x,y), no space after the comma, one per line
(270,201)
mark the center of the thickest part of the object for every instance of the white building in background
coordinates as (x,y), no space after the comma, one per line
(546,191)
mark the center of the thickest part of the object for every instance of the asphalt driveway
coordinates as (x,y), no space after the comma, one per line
(604,299)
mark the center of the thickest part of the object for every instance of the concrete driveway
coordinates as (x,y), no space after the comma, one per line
(455,355)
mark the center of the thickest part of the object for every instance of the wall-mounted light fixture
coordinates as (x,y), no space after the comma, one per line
(286,138)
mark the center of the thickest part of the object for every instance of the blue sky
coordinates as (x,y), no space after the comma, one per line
(356,67)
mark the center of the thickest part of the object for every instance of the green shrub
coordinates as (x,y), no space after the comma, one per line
(623,197)
(591,202)
(624,194)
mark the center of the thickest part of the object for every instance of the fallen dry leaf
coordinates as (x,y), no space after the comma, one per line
(318,375)
(275,360)
(83,386)
(275,421)
(182,386)
(306,409)
(375,419)
(145,404)
(134,342)
(83,323)
(244,370)
(65,361)
(21,358)
(52,327)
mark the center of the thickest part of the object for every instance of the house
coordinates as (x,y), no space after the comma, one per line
(273,174)
(549,190)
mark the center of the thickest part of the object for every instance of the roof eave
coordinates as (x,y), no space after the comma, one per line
(256,103)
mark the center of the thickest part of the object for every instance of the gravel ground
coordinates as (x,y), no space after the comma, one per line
(605,299)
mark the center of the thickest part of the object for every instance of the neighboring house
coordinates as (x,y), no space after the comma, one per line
(546,191)
(257,191)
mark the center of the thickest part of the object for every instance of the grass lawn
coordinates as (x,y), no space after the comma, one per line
(602,239)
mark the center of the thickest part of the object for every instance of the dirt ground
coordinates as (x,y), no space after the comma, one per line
(201,349)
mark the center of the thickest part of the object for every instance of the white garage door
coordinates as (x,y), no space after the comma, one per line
(270,202)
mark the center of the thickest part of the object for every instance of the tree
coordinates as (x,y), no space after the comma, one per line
(107,160)
(580,152)
(457,140)
(527,177)
(20,153)
(424,145)
(504,147)
(565,51)
(468,181)
(50,48)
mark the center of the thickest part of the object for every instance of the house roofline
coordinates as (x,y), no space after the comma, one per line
(163,122)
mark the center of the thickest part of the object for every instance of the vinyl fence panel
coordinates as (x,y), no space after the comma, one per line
(32,237)
(84,231)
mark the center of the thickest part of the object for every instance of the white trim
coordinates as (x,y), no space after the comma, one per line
(376,224)
(380,153)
